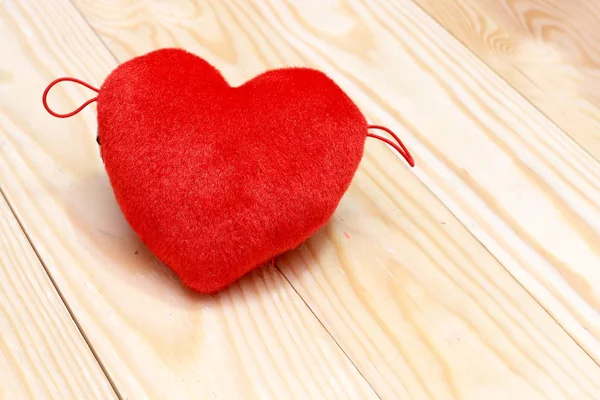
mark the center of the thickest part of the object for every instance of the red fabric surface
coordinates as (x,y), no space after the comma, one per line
(217,180)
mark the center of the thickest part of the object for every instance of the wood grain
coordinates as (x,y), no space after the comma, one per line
(156,339)
(42,353)
(419,305)
(549,50)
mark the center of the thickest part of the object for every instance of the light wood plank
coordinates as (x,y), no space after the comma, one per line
(549,50)
(418,304)
(156,339)
(42,353)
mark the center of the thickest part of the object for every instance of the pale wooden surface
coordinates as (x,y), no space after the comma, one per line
(549,50)
(419,305)
(42,353)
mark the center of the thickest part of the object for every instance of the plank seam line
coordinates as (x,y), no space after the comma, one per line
(328,332)
(65,303)
(94,32)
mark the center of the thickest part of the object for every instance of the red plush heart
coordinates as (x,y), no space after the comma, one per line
(215,179)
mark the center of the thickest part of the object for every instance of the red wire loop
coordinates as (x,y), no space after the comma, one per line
(400,148)
(84,105)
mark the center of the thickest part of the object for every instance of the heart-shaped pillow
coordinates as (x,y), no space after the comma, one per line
(217,180)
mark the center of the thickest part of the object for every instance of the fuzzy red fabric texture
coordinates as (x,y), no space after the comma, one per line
(218,180)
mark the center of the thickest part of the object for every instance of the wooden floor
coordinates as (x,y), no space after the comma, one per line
(474,276)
